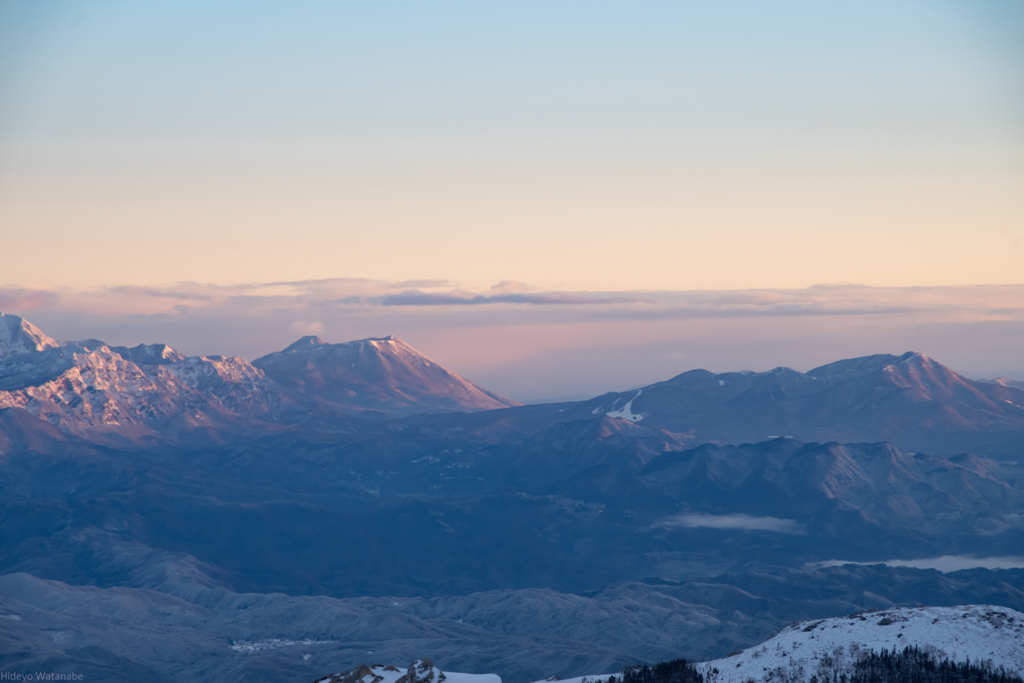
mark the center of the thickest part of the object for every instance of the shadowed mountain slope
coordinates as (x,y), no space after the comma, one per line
(911,401)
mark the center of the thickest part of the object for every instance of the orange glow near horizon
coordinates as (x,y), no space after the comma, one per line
(677,147)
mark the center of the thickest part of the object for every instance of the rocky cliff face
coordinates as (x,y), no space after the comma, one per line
(87,388)
(421,671)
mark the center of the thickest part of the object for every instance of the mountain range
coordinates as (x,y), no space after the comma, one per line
(98,391)
(302,496)
(152,391)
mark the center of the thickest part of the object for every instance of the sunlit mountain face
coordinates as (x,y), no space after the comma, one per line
(368,476)
(383,375)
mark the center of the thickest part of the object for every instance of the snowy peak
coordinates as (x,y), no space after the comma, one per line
(305,343)
(981,633)
(18,336)
(88,388)
(382,374)
(927,379)
(87,391)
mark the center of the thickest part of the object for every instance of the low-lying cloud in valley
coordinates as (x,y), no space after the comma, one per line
(944,564)
(702,520)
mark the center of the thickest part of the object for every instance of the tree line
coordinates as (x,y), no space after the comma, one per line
(911,665)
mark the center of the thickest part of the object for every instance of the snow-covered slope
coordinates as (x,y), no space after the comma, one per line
(18,336)
(85,387)
(981,633)
(420,671)
(385,375)
(149,354)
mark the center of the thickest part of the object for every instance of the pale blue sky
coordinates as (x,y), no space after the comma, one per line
(668,152)
(580,145)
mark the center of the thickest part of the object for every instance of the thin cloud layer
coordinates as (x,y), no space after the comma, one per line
(702,520)
(418,298)
(944,564)
(26,299)
(990,302)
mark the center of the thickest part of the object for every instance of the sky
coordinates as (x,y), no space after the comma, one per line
(551,198)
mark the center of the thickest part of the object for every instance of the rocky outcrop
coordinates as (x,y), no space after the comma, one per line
(423,671)
(365,673)
(420,671)
(87,388)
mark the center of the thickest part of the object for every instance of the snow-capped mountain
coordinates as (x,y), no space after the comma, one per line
(87,387)
(18,336)
(979,633)
(911,400)
(385,375)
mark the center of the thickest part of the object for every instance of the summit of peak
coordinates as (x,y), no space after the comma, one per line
(306,342)
(913,360)
(382,374)
(311,342)
(18,335)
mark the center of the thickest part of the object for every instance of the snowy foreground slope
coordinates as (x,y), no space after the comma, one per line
(980,633)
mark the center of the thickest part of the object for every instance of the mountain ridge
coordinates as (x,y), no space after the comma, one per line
(107,392)
(908,400)
(378,373)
